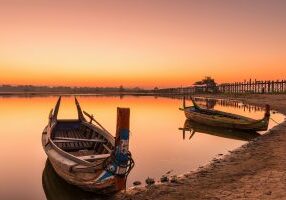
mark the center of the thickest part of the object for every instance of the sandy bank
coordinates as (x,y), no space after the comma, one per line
(257,170)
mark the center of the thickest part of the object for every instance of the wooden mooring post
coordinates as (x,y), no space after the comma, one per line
(122,143)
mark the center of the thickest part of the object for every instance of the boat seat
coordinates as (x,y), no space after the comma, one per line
(94,157)
(78,140)
(74,144)
(68,139)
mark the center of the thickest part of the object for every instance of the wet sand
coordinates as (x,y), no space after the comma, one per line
(257,170)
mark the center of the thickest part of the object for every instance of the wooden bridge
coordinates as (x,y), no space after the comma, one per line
(253,87)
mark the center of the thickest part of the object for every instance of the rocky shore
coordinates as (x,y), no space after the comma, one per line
(257,170)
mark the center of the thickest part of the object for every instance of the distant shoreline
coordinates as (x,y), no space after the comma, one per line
(74,93)
(131,93)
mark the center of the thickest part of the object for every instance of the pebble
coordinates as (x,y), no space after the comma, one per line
(150,181)
(174,179)
(135,183)
(164,179)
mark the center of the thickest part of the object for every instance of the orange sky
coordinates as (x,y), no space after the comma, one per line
(140,43)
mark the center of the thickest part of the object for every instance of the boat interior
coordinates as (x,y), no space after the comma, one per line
(79,139)
(221,114)
(217,113)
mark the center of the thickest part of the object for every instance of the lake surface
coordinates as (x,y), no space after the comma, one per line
(156,143)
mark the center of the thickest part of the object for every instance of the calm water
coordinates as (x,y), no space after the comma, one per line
(156,142)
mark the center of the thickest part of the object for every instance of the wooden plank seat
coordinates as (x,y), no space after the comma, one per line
(76,139)
(94,157)
(71,146)
(80,134)
(73,140)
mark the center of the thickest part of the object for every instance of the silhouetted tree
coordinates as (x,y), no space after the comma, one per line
(121,88)
(209,83)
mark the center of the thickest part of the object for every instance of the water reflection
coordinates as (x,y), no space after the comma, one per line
(56,188)
(193,127)
(154,127)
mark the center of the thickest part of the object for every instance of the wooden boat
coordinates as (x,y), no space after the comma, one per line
(194,127)
(86,154)
(223,119)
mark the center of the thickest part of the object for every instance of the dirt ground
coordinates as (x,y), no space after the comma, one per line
(257,170)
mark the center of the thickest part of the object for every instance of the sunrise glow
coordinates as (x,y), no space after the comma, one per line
(140,43)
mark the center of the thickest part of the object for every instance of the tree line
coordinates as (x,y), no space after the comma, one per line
(65,89)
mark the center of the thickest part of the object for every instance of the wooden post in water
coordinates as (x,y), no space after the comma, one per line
(257,87)
(250,86)
(266,86)
(122,141)
(244,86)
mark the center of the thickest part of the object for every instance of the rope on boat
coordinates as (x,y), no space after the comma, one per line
(112,161)
(277,122)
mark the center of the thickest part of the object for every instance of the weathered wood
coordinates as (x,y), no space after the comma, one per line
(56,110)
(94,157)
(226,120)
(60,139)
(123,115)
(122,140)
(107,148)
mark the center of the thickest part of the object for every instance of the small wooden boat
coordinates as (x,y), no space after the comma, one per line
(194,127)
(86,154)
(223,119)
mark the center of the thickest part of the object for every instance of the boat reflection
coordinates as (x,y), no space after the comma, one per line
(56,188)
(194,127)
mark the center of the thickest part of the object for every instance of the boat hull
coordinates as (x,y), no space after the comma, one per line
(255,125)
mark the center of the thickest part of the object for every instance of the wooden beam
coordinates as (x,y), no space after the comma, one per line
(106,147)
(61,139)
(122,141)
(94,157)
